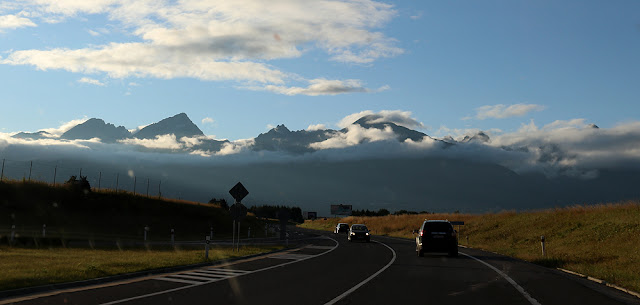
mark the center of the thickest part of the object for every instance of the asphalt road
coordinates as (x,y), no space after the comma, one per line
(327,269)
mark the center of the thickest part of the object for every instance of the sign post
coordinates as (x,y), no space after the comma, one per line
(238,210)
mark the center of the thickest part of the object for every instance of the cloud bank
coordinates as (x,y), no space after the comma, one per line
(215,41)
(501,111)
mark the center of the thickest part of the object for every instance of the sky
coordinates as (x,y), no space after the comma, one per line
(238,68)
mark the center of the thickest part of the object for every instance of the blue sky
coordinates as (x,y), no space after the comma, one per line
(247,65)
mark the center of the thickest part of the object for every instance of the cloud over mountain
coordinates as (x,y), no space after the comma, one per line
(556,160)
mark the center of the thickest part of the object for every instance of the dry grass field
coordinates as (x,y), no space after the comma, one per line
(25,267)
(601,241)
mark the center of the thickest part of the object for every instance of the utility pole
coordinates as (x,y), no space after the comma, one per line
(99,180)
(159,191)
(55,173)
(2,175)
(117,177)
(135,181)
(30,167)
(147,187)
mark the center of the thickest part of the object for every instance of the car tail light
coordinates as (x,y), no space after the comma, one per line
(421,233)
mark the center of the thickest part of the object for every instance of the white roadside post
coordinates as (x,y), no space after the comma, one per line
(544,253)
(211,232)
(13,233)
(206,247)
(44,230)
(173,238)
(146,229)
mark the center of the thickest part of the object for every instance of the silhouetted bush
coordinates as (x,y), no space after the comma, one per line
(80,185)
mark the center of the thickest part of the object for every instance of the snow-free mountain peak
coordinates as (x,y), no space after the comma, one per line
(180,125)
(96,128)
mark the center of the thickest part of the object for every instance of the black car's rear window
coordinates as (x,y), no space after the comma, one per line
(437,227)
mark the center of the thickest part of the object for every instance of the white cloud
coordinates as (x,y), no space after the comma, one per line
(316,127)
(235,147)
(398,117)
(167,141)
(13,22)
(219,41)
(355,135)
(501,111)
(321,87)
(91,81)
(207,120)
(93,33)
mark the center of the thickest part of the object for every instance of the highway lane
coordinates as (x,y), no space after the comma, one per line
(439,279)
(325,270)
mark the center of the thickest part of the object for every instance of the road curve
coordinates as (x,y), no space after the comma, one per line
(327,269)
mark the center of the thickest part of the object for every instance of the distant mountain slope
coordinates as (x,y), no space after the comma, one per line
(96,128)
(281,138)
(180,125)
(34,136)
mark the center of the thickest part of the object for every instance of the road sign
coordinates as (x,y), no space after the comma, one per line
(238,192)
(238,211)
(341,209)
(457,223)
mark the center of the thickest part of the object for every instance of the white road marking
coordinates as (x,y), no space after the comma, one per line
(354,288)
(292,256)
(168,279)
(509,279)
(240,273)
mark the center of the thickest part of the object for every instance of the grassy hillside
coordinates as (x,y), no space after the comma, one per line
(602,241)
(107,214)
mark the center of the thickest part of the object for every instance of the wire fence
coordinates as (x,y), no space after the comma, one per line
(57,173)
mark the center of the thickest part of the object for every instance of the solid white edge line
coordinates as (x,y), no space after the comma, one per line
(509,279)
(204,283)
(354,288)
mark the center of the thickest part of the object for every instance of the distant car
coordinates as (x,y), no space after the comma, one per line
(437,236)
(341,228)
(359,231)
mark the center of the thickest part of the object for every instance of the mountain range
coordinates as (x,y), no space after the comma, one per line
(279,138)
(371,163)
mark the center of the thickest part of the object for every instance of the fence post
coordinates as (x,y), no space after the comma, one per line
(249,233)
(44,230)
(211,232)
(173,240)
(206,247)
(544,253)
(13,234)
(146,229)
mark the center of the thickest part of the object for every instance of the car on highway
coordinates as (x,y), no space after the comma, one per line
(436,236)
(341,228)
(359,231)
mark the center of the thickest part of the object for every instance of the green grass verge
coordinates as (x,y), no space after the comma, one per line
(601,241)
(25,267)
